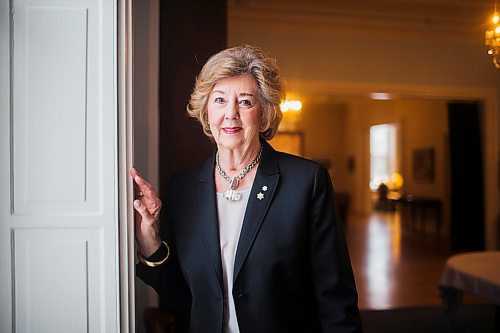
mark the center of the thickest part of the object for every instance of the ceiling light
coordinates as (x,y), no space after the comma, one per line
(380,96)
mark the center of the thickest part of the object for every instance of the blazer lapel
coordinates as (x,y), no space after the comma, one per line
(261,195)
(207,207)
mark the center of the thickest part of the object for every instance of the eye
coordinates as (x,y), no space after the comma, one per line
(245,103)
(219,100)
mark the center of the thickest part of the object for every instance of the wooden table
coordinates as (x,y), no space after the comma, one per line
(418,210)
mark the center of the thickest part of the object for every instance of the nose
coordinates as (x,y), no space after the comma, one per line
(232,111)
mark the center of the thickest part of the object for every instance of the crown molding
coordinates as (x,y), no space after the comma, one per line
(441,21)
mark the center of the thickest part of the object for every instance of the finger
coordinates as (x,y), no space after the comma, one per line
(135,175)
(144,212)
(152,205)
(146,193)
(143,188)
(139,182)
(134,172)
(155,208)
(138,178)
(149,198)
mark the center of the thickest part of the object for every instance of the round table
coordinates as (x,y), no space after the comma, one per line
(477,273)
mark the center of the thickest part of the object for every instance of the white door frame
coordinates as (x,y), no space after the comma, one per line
(125,161)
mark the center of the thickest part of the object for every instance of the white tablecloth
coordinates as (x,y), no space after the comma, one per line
(477,273)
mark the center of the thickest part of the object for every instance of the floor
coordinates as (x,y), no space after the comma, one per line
(394,265)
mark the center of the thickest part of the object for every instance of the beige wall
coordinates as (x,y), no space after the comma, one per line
(339,131)
(323,128)
(376,60)
(425,125)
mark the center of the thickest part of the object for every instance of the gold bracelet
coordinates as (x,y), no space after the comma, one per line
(153,263)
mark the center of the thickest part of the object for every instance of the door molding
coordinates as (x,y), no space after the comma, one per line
(125,160)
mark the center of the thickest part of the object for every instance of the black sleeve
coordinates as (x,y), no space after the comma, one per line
(333,279)
(166,280)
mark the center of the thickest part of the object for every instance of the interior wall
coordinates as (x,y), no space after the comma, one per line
(339,132)
(323,129)
(422,124)
(345,59)
(425,125)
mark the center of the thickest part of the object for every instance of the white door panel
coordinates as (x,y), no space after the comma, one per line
(59,107)
(59,269)
(50,80)
(43,285)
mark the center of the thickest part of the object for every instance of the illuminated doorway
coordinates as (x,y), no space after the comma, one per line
(383,156)
(385,180)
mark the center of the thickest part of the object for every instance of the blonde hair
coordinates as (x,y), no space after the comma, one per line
(236,61)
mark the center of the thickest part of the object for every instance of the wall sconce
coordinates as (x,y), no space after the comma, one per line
(292,110)
(287,105)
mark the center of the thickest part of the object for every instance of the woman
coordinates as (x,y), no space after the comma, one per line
(255,240)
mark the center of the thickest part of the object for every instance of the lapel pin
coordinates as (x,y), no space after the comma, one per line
(264,188)
(260,196)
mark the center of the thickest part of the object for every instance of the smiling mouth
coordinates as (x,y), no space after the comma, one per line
(231,130)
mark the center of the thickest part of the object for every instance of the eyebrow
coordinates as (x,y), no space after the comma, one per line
(242,94)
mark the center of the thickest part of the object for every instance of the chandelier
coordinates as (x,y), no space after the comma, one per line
(492,38)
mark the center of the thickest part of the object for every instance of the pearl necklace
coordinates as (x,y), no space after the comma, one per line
(231,194)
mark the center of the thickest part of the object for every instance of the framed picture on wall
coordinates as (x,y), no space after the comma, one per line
(291,142)
(423,165)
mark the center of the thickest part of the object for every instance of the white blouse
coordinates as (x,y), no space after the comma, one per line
(231,214)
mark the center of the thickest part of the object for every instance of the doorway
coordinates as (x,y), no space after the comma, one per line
(423,124)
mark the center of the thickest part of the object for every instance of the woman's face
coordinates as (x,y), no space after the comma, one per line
(234,112)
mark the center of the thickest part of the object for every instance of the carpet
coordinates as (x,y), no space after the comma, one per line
(470,318)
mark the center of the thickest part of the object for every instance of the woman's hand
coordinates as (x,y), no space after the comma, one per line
(147,206)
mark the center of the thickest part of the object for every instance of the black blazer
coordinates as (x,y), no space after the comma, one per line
(292,271)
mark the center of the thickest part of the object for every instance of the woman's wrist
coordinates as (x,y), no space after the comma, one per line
(157,258)
(148,246)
